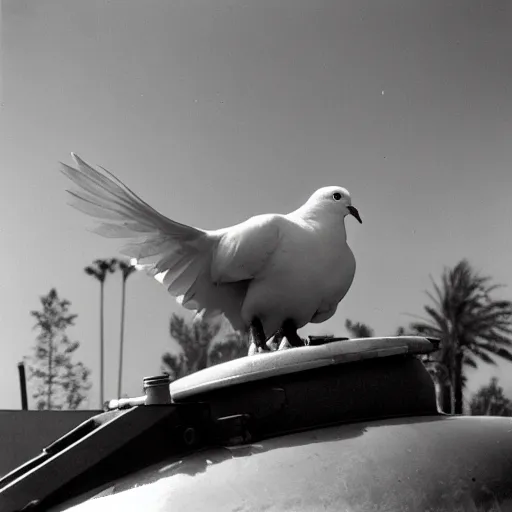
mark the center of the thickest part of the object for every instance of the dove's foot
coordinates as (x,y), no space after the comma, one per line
(274,343)
(257,338)
(289,331)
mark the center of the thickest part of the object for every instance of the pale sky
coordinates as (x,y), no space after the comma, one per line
(217,110)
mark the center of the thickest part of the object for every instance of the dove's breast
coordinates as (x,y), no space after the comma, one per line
(310,271)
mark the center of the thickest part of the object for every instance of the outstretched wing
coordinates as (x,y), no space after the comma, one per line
(105,197)
(180,255)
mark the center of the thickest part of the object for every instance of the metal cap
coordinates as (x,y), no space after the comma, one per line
(157,390)
(157,380)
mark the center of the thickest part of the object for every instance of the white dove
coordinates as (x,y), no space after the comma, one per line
(272,273)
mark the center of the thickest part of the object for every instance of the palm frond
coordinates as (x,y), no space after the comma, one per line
(469,361)
(439,319)
(469,321)
(482,354)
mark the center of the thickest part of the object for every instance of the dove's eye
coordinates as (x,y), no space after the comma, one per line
(337,196)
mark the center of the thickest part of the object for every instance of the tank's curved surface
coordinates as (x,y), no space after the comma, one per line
(424,464)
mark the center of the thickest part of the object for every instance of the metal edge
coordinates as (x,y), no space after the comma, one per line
(254,368)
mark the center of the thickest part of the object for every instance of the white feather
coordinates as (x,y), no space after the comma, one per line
(177,255)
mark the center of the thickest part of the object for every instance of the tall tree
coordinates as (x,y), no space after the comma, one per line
(490,400)
(60,383)
(126,270)
(195,341)
(99,270)
(75,384)
(359,329)
(233,347)
(200,348)
(362,330)
(472,326)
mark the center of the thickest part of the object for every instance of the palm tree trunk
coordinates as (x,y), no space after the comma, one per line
(121,340)
(102,361)
(457,384)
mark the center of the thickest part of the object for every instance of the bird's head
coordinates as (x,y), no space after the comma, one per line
(334,200)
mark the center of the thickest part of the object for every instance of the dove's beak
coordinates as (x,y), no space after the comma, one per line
(353,211)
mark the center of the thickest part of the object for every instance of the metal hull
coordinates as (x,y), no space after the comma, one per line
(432,463)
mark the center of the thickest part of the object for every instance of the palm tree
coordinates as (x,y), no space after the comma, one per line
(359,329)
(195,341)
(490,400)
(233,347)
(126,269)
(99,270)
(472,326)
(362,330)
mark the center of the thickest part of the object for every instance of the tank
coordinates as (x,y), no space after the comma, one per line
(348,425)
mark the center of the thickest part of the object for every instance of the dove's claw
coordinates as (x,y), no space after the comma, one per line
(284,345)
(257,337)
(253,350)
(272,345)
(290,332)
